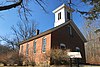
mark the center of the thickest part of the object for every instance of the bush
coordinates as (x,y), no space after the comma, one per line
(59,57)
(11,58)
(15,59)
(32,63)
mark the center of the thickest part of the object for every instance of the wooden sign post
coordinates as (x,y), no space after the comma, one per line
(76,55)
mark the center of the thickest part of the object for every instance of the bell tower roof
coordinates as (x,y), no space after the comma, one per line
(62,14)
(63,6)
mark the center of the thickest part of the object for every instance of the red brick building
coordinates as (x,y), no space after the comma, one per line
(64,34)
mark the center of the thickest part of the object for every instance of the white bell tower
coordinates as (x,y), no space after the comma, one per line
(62,14)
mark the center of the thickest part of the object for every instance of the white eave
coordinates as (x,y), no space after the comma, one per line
(59,8)
(63,6)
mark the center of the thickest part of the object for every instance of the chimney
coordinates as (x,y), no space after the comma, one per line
(37,31)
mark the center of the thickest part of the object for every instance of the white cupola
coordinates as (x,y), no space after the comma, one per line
(62,14)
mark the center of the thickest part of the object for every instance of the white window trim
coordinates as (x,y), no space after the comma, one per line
(42,44)
(33,46)
(70,29)
(59,16)
(62,44)
(22,49)
(27,48)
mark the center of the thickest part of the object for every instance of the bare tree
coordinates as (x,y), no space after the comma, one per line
(10,42)
(89,27)
(19,3)
(92,44)
(22,31)
(11,6)
(24,10)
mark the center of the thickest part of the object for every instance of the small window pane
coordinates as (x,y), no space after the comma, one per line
(22,49)
(59,16)
(69,30)
(27,47)
(77,49)
(44,45)
(62,46)
(68,15)
(34,47)
(99,38)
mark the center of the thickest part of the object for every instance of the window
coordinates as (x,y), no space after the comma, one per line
(34,46)
(27,47)
(62,46)
(44,45)
(77,49)
(99,38)
(69,30)
(59,16)
(22,49)
(68,15)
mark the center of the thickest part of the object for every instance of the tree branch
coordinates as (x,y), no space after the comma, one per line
(11,6)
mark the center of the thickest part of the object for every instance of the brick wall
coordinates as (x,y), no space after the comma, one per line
(71,41)
(54,40)
(39,56)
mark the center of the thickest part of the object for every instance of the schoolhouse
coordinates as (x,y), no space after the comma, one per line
(65,34)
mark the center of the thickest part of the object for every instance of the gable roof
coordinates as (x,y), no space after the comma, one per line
(56,28)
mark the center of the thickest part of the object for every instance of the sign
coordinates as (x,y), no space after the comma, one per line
(74,54)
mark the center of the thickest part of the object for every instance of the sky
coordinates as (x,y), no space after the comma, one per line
(43,20)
